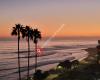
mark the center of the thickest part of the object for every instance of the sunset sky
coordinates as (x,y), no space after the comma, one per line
(81,17)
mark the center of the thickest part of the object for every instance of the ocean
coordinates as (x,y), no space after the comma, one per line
(51,54)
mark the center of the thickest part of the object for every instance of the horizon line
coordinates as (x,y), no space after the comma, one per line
(58,37)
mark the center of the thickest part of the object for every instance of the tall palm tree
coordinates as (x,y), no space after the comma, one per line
(28,33)
(16,31)
(36,37)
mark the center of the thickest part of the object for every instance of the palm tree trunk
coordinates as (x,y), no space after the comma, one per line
(28,58)
(35,57)
(19,57)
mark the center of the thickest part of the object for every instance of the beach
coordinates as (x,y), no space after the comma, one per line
(52,54)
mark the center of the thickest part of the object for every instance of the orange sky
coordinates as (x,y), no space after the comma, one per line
(81,18)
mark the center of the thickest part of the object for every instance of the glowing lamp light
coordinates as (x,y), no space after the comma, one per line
(59,67)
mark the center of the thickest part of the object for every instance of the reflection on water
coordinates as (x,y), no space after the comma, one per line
(52,53)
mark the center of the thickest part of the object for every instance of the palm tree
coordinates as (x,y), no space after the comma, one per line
(36,37)
(16,31)
(28,33)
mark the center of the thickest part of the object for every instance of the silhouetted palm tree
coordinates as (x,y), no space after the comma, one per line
(27,29)
(28,33)
(36,37)
(16,31)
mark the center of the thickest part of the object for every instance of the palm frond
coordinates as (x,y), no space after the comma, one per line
(14,31)
(37,35)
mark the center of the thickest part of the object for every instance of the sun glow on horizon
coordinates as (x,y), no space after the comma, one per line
(82,17)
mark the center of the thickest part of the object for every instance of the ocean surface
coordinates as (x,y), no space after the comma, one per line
(51,54)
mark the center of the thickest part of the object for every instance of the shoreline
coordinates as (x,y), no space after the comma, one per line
(46,66)
(90,51)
